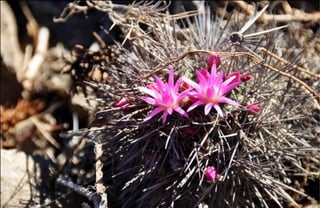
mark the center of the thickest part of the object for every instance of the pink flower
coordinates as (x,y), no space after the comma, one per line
(165,96)
(211,173)
(211,90)
(253,109)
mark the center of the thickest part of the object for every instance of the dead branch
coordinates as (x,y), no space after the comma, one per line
(92,196)
(70,10)
(11,53)
(305,71)
(290,16)
(34,65)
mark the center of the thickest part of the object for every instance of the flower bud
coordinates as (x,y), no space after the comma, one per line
(246,77)
(122,102)
(253,109)
(213,60)
(211,173)
(235,77)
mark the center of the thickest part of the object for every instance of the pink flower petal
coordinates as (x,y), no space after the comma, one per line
(229,101)
(147,91)
(232,77)
(194,105)
(181,111)
(228,88)
(160,83)
(218,109)
(184,94)
(149,100)
(164,116)
(177,85)
(153,113)
(209,92)
(205,73)
(171,76)
(170,111)
(202,75)
(207,108)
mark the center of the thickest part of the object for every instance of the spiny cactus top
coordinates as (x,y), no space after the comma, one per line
(211,90)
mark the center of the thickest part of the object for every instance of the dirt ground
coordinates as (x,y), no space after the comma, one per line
(37,105)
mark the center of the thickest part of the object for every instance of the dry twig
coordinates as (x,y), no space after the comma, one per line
(292,14)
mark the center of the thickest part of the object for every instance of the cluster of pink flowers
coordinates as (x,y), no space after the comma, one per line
(210,90)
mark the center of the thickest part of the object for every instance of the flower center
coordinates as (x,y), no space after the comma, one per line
(213,95)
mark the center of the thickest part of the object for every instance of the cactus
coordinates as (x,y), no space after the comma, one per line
(246,155)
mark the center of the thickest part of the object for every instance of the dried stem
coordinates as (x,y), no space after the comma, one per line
(99,165)
(312,75)
(97,199)
(294,15)
(222,54)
